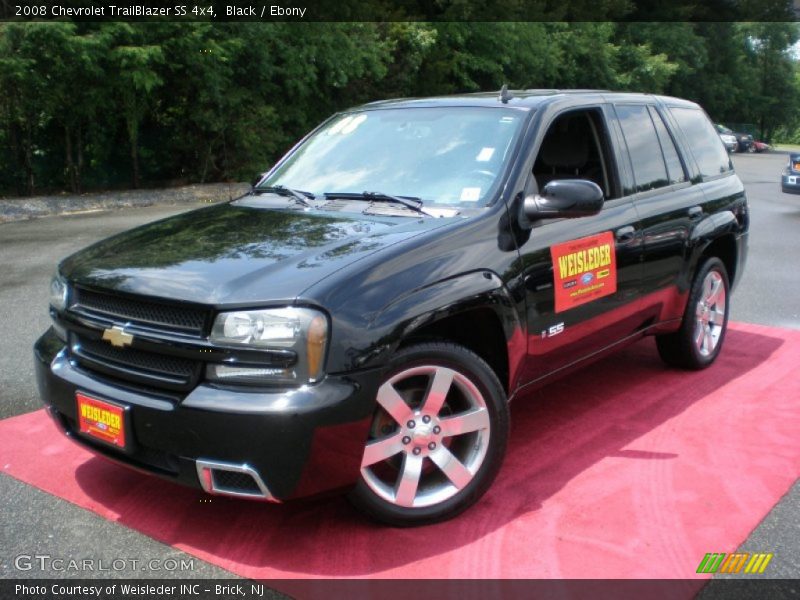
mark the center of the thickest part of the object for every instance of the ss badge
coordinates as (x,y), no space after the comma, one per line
(554,330)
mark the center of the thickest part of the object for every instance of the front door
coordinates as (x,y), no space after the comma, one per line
(582,276)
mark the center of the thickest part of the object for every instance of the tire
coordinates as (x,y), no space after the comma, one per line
(430,456)
(699,340)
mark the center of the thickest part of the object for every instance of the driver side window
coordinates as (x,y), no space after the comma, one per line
(575,147)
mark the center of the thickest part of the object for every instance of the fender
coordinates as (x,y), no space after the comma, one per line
(702,235)
(419,308)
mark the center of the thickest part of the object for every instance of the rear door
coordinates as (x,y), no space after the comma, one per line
(667,203)
(671,225)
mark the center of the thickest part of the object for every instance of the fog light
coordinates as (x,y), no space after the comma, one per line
(257,375)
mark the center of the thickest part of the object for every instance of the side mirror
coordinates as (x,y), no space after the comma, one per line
(565,199)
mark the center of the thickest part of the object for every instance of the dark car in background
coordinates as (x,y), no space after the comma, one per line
(362,318)
(790,180)
(744,141)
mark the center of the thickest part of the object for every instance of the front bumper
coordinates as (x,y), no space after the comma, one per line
(790,182)
(301,442)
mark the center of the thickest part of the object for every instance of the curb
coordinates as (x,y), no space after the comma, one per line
(20,209)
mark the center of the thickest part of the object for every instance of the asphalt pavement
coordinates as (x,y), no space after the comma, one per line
(769,292)
(33,522)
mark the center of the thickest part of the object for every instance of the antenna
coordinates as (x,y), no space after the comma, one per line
(505,95)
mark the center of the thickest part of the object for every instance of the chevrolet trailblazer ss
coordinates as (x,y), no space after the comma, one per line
(361,318)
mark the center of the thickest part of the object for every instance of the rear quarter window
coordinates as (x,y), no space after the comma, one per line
(647,159)
(704,141)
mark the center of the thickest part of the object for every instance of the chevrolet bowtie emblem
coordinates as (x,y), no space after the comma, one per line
(117,337)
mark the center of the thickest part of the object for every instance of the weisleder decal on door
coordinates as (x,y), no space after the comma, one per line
(584,270)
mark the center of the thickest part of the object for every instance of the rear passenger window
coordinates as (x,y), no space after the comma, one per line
(649,170)
(674,166)
(704,142)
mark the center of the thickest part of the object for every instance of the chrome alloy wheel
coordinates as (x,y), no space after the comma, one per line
(429,439)
(710,314)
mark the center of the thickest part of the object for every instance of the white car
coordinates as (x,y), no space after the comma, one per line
(730,141)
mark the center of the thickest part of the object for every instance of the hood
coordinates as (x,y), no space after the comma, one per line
(228,254)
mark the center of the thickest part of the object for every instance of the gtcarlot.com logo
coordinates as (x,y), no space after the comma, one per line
(737,562)
(47,562)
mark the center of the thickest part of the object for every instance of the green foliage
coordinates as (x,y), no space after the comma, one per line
(774,102)
(105,105)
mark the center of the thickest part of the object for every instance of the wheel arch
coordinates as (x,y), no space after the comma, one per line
(474,310)
(716,236)
(477,329)
(724,248)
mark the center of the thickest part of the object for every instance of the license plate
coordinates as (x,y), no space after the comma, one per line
(101,420)
(792,180)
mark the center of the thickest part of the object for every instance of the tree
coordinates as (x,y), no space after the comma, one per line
(93,105)
(133,69)
(68,64)
(774,96)
(21,95)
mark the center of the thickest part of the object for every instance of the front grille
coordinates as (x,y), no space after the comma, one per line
(158,370)
(186,318)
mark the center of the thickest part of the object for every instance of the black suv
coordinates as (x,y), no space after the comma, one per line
(361,319)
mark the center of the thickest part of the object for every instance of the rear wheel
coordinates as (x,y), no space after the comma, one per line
(699,340)
(437,439)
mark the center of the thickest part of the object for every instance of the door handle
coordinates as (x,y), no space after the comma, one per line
(625,234)
(695,212)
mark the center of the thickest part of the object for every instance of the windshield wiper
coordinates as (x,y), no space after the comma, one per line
(299,195)
(411,202)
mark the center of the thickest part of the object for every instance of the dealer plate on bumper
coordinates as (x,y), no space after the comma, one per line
(101,420)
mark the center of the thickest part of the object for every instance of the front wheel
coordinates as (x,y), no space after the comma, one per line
(699,340)
(437,439)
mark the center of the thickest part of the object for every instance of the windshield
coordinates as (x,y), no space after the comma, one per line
(447,155)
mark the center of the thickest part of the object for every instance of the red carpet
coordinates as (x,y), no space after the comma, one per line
(627,469)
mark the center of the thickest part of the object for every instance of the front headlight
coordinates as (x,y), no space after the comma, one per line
(302,330)
(58,293)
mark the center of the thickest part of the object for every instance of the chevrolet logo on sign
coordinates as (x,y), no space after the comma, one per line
(117,337)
